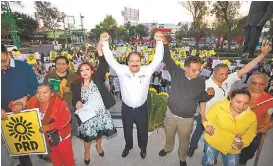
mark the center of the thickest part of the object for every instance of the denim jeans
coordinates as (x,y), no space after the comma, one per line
(211,154)
(197,133)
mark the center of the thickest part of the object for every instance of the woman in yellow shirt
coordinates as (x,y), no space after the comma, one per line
(230,126)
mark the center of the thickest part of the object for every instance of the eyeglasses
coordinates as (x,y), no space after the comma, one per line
(257,83)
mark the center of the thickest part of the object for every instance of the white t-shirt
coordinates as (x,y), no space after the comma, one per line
(156,81)
(220,92)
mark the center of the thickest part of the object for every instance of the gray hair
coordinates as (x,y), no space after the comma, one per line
(260,74)
(47,84)
(221,65)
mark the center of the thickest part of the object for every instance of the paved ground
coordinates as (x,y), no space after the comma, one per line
(114,146)
(44,49)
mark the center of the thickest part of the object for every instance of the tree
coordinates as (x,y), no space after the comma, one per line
(7,21)
(142,31)
(26,26)
(50,15)
(182,32)
(269,34)
(199,10)
(227,12)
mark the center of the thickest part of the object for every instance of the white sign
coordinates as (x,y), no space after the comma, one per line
(166,75)
(216,62)
(205,73)
(116,84)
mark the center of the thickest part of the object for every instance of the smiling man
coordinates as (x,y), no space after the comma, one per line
(134,81)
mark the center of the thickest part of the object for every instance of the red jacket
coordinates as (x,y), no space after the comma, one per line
(60,115)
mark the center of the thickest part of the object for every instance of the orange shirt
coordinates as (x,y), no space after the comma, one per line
(262,109)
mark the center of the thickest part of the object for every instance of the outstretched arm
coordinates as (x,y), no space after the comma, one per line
(118,68)
(157,58)
(169,61)
(103,66)
(264,52)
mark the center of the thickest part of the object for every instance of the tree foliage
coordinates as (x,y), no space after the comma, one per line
(183,32)
(25,25)
(199,10)
(50,15)
(226,13)
(123,32)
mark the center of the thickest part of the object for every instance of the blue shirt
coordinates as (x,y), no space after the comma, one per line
(17,81)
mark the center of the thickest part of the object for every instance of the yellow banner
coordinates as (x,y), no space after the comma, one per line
(64,53)
(193,52)
(72,66)
(21,133)
(53,55)
(31,59)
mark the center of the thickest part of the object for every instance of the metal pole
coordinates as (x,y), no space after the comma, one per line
(9,18)
(65,34)
(83,31)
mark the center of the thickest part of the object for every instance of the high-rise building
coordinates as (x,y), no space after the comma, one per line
(130,15)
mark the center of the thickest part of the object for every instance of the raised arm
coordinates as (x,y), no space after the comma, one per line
(103,66)
(264,52)
(167,59)
(118,68)
(159,52)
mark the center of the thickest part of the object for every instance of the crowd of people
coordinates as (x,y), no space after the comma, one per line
(83,79)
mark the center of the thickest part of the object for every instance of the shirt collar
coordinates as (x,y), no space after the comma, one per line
(12,62)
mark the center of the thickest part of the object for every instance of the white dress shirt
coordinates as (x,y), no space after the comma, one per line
(134,88)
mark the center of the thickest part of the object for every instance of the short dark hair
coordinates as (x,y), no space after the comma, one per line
(192,59)
(62,57)
(221,65)
(50,86)
(133,52)
(3,48)
(241,91)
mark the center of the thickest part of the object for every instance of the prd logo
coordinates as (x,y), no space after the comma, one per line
(20,129)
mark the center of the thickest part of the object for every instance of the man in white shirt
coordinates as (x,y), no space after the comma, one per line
(221,81)
(134,83)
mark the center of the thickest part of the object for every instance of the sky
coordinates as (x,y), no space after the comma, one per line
(94,11)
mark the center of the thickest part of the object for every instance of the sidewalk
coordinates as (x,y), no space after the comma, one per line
(113,148)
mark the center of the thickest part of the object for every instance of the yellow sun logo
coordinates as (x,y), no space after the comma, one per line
(20,128)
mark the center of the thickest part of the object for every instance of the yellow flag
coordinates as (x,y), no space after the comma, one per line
(16,53)
(212,53)
(22,135)
(69,56)
(64,53)
(193,52)
(31,59)
(227,62)
(182,53)
(91,61)
(72,66)
(53,55)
